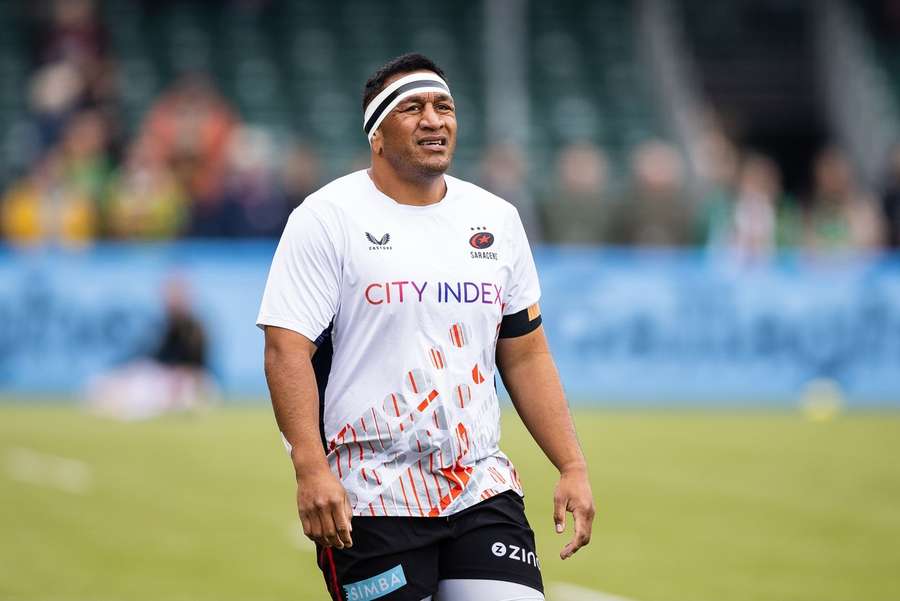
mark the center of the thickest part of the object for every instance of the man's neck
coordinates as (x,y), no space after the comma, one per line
(418,192)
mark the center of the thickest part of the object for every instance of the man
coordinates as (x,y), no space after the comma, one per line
(386,298)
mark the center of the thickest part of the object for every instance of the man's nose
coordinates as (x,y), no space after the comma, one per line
(430,117)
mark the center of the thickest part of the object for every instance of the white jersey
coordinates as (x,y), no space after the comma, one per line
(410,299)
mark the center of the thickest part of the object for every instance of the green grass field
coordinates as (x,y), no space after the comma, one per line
(693,506)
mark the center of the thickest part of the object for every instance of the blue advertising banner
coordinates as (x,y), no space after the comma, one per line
(67,316)
(625,326)
(693,328)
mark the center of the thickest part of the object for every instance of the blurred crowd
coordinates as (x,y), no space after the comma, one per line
(193,168)
(735,203)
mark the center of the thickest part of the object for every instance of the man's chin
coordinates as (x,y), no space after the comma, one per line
(417,166)
(435,165)
(436,169)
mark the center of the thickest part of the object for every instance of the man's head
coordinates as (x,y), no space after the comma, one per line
(410,118)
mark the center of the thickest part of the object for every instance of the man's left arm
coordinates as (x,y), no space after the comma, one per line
(530,376)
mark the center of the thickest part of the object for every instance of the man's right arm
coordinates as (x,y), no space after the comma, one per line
(322,502)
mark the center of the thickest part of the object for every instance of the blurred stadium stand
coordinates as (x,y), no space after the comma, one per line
(593,89)
(296,70)
(295,66)
(587,83)
(758,69)
(298,66)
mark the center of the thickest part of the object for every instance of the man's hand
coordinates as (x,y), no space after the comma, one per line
(321,499)
(573,494)
(324,508)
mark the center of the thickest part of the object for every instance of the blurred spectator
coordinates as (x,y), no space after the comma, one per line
(74,33)
(577,210)
(146,201)
(62,197)
(503,173)
(754,225)
(761,219)
(43,207)
(717,169)
(300,175)
(190,127)
(56,91)
(655,211)
(890,202)
(251,203)
(174,378)
(183,345)
(74,71)
(839,215)
(718,157)
(85,149)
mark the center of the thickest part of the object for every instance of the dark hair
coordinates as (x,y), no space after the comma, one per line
(405,63)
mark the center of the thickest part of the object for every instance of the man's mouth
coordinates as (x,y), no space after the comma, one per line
(433,142)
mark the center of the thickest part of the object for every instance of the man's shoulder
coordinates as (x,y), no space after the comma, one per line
(470,192)
(329,203)
(337,192)
(325,207)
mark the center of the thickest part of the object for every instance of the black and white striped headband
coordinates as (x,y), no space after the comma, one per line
(388,98)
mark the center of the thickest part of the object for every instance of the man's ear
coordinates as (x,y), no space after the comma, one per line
(377,142)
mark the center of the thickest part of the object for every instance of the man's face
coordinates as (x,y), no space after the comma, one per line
(419,134)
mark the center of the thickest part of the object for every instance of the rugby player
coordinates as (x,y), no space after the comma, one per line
(393,294)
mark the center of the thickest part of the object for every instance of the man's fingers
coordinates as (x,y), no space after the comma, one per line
(312,526)
(329,531)
(583,525)
(349,510)
(342,523)
(559,514)
(305,523)
(583,522)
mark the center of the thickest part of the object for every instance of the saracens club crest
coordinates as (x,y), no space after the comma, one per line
(481,240)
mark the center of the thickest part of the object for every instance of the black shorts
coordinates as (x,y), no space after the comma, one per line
(402,559)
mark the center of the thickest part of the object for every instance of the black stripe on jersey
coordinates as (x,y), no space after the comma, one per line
(421,83)
(518,324)
(321,363)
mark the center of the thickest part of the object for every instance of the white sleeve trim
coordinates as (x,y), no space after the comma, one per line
(289,324)
(513,309)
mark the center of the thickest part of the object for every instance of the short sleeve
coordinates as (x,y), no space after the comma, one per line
(303,289)
(523,289)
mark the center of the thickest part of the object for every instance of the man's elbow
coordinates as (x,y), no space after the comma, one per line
(272,357)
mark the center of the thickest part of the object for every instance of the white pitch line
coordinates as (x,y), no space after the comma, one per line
(62,473)
(564,591)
